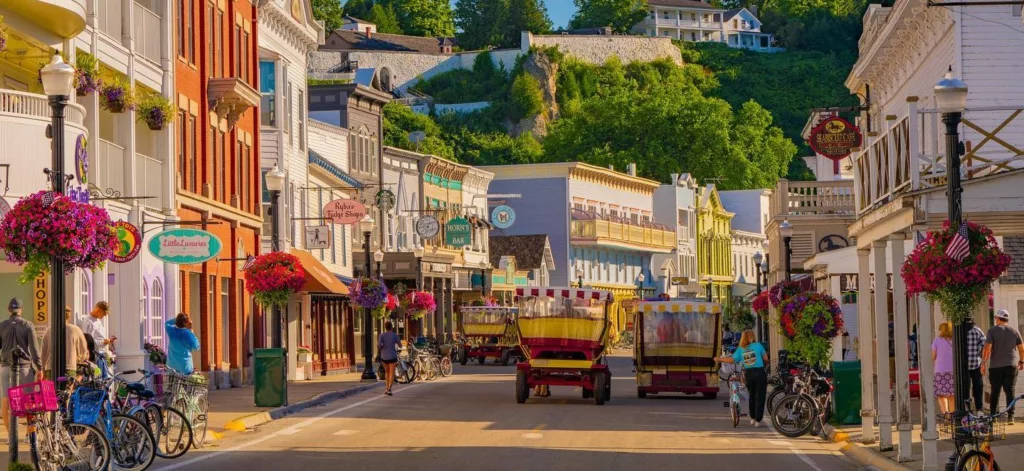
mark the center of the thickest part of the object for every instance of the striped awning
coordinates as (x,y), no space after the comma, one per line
(565,293)
(676,306)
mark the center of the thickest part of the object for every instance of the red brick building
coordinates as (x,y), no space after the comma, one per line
(218,173)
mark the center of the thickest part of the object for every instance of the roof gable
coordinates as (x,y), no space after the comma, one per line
(682,4)
(530,251)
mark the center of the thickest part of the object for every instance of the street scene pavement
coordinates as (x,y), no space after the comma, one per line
(470,420)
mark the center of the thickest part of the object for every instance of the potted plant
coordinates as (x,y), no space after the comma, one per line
(419,303)
(156,354)
(87,74)
(46,225)
(305,354)
(117,96)
(157,111)
(273,277)
(809,321)
(958,285)
(372,294)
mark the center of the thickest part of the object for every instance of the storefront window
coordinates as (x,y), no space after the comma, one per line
(156,313)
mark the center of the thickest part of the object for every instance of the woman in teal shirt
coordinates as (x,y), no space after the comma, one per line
(752,357)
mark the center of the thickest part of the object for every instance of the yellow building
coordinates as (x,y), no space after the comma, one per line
(714,245)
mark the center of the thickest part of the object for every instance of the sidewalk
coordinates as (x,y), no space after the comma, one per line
(233,409)
(1010,450)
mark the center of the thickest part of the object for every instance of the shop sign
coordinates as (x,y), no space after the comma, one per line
(427,227)
(835,138)
(438,268)
(503,217)
(680,280)
(5,207)
(40,304)
(385,200)
(458,232)
(832,242)
(185,246)
(82,160)
(344,211)
(129,241)
(318,237)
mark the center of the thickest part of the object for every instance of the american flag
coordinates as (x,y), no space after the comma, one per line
(960,246)
(248,263)
(919,239)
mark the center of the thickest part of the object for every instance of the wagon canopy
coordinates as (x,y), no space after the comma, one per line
(679,333)
(563,317)
(488,321)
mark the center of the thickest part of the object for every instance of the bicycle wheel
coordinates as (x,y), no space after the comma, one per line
(795,415)
(435,368)
(199,423)
(446,367)
(132,443)
(735,411)
(83,448)
(774,398)
(171,430)
(975,460)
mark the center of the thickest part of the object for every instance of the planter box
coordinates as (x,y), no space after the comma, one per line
(305,358)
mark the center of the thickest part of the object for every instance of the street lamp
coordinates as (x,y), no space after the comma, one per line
(483,279)
(758,257)
(707,280)
(366,226)
(378,257)
(765,334)
(579,276)
(786,229)
(275,185)
(418,253)
(640,286)
(951,100)
(57,84)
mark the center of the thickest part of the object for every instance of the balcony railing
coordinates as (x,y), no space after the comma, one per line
(149,179)
(147,41)
(618,233)
(30,105)
(108,15)
(687,23)
(112,166)
(796,198)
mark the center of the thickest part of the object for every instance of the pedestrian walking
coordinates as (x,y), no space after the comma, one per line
(752,357)
(942,358)
(180,343)
(388,344)
(1004,353)
(76,348)
(17,340)
(94,326)
(975,345)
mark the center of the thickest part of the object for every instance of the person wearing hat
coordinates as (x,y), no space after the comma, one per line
(19,355)
(1004,352)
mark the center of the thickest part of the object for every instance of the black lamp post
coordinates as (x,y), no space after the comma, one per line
(418,253)
(483,279)
(757,258)
(786,230)
(378,258)
(951,100)
(275,184)
(579,276)
(640,286)
(708,280)
(765,334)
(366,226)
(57,79)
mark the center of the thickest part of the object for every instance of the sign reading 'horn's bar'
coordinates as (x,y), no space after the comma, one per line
(344,211)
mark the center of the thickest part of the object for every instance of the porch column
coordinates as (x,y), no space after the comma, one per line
(900,336)
(882,347)
(865,345)
(925,335)
(836,291)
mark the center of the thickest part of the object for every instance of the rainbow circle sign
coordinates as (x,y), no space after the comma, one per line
(129,242)
(185,246)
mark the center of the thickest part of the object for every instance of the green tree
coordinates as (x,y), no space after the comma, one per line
(358,8)
(478,22)
(385,19)
(328,11)
(524,15)
(428,18)
(525,97)
(621,15)
(400,120)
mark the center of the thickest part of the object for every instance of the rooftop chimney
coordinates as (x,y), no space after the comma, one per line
(369,32)
(675,178)
(631,169)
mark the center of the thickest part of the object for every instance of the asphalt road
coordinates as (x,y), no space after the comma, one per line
(471,421)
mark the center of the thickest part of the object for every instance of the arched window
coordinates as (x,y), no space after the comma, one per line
(85,293)
(156,314)
(143,319)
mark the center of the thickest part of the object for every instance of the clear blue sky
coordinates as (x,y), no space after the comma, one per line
(560,11)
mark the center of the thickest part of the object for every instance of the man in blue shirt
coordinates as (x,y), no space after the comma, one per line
(180,343)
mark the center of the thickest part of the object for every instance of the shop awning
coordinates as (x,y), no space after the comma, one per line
(318,278)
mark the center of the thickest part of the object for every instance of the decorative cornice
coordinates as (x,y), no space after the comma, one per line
(273,18)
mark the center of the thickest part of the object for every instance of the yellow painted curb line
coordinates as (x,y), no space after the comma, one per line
(840,437)
(235,426)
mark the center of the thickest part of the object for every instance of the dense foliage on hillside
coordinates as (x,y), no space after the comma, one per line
(498,23)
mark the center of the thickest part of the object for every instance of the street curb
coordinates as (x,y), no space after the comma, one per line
(868,456)
(244,423)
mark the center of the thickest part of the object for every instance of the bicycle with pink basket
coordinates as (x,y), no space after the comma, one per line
(55,444)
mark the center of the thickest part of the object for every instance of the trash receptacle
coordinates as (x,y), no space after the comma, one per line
(271,385)
(846,398)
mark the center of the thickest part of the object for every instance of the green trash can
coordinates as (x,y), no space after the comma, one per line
(846,397)
(271,388)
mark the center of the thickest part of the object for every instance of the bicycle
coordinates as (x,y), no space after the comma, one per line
(735,380)
(188,395)
(808,409)
(169,426)
(405,371)
(978,431)
(55,444)
(132,443)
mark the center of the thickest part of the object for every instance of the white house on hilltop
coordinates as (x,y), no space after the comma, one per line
(697,21)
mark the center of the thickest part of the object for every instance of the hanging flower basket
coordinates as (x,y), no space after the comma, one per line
(761,306)
(87,74)
(809,321)
(372,294)
(739,318)
(489,301)
(419,303)
(782,291)
(157,356)
(958,287)
(274,277)
(157,111)
(46,225)
(3,35)
(117,97)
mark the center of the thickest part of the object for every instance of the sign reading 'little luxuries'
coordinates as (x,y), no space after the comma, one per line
(185,246)
(344,211)
(458,232)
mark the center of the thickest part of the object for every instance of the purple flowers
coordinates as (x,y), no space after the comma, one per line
(117,97)
(369,293)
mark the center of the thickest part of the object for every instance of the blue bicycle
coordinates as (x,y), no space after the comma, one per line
(132,445)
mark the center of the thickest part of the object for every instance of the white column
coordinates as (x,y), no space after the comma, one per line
(882,347)
(899,303)
(867,354)
(925,334)
(836,292)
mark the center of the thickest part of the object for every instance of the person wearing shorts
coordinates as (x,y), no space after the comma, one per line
(388,345)
(19,355)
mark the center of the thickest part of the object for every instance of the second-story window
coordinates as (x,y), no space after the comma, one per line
(245,56)
(211,42)
(183,176)
(224,168)
(267,99)
(302,120)
(193,157)
(215,149)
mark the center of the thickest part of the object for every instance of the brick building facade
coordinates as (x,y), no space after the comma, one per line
(218,175)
